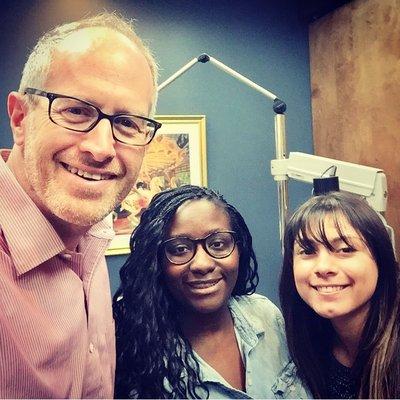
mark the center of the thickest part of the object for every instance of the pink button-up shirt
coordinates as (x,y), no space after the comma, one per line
(56,327)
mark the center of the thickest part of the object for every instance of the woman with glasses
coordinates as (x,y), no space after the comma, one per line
(188,322)
(340,298)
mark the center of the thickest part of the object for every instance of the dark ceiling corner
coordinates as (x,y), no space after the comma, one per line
(311,10)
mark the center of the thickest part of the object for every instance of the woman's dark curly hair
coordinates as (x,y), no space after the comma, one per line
(151,347)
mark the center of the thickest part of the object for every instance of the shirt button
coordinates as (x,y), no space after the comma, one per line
(66,256)
(249,381)
(91,347)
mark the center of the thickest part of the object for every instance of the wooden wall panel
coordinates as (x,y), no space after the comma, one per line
(355,80)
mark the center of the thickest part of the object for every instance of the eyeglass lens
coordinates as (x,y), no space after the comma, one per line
(79,116)
(180,250)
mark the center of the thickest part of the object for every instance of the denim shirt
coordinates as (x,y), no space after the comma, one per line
(260,333)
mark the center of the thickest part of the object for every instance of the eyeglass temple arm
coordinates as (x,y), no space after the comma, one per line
(36,91)
(279,108)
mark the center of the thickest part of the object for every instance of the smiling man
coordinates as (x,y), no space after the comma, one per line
(80,122)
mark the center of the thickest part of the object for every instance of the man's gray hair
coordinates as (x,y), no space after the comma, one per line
(37,66)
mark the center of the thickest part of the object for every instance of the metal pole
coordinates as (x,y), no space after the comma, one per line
(242,78)
(282,183)
(178,73)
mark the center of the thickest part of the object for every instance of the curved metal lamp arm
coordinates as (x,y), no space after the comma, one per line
(279,108)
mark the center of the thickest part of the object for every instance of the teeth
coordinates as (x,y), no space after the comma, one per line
(203,285)
(329,289)
(85,174)
(96,177)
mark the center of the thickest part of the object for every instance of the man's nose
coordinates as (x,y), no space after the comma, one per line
(99,142)
(202,263)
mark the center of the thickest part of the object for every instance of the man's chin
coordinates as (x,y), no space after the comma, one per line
(83,221)
(84,216)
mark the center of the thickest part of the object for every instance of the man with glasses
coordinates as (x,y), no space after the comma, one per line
(80,122)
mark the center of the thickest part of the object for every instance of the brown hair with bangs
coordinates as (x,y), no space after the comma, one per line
(310,337)
(313,230)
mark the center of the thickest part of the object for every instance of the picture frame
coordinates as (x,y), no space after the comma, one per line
(175,157)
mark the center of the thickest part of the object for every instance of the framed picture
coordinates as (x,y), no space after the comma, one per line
(175,157)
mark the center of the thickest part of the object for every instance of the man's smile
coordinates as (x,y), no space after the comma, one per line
(88,175)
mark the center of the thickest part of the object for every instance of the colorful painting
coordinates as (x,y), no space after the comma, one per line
(175,157)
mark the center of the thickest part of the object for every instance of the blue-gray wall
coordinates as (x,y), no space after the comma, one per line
(263,40)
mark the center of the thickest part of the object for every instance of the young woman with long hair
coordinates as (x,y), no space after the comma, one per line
(339,293)
(188,322)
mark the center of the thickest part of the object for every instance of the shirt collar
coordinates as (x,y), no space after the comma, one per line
(249,327)
(103,229)
(31,238)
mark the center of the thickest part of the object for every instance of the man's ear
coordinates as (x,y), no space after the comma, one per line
(17,111)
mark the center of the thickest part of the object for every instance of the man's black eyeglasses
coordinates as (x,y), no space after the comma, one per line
(80,116)
(181,249)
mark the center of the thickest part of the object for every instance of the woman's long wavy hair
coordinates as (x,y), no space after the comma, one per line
(310,337)
(151,347)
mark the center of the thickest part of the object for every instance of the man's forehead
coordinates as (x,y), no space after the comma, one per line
(91,38)
(97,61)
